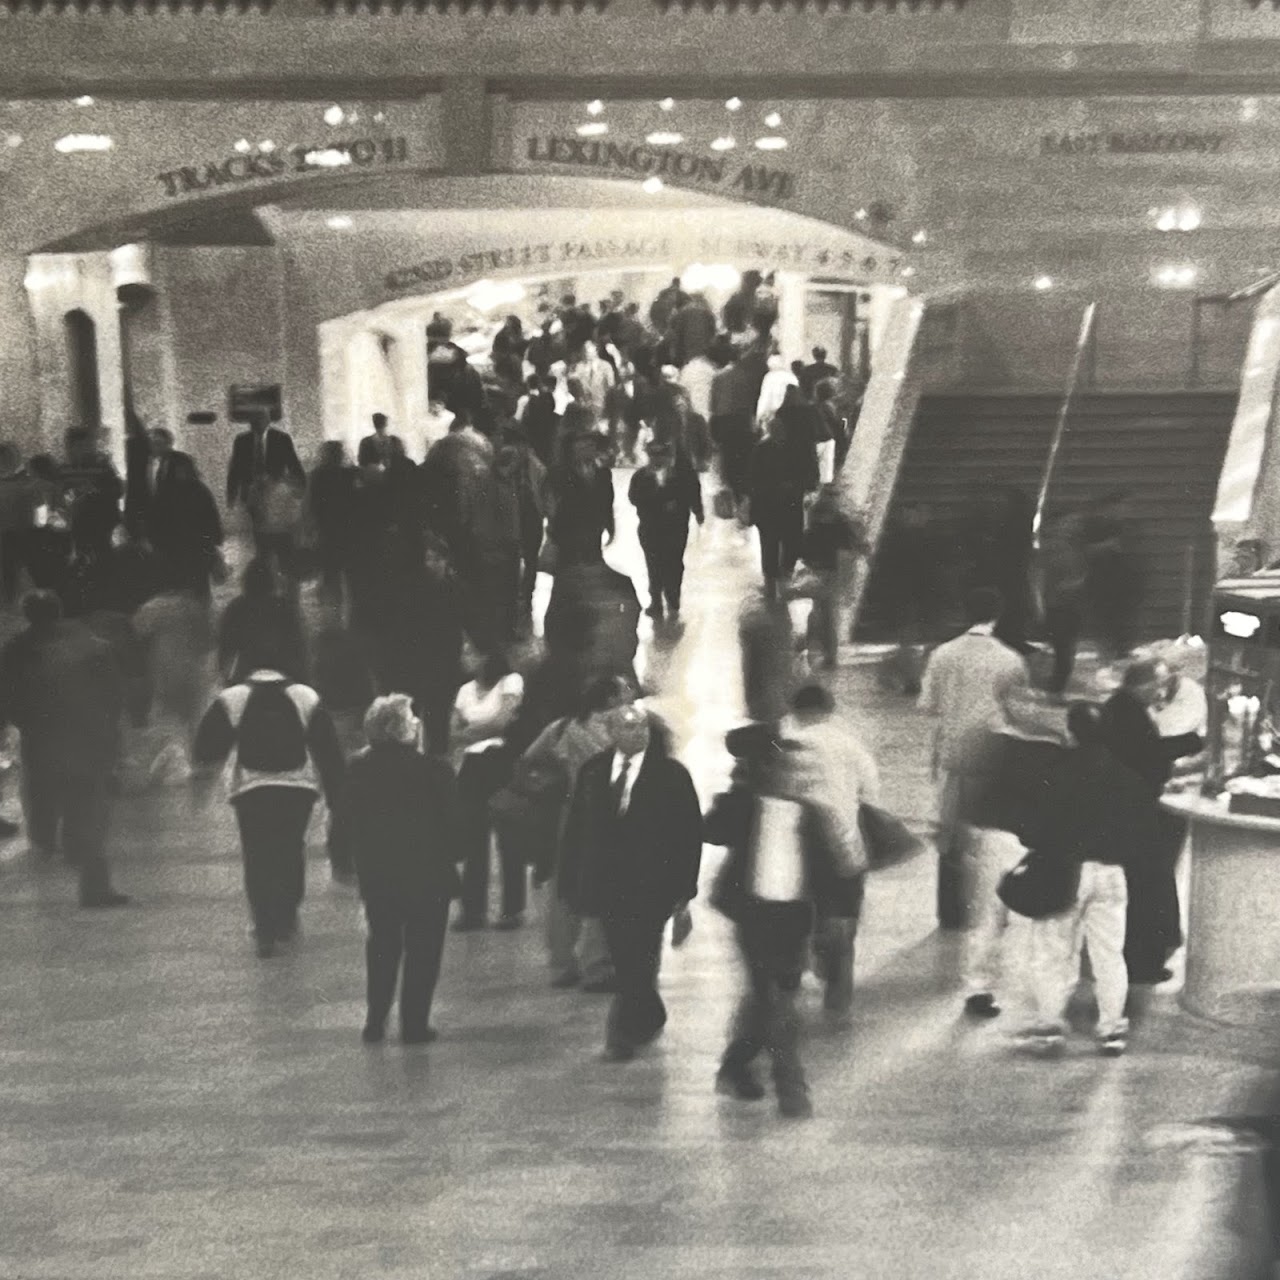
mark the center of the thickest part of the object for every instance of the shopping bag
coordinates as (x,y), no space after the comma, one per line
(723,504)
(1040,887)
(887,840)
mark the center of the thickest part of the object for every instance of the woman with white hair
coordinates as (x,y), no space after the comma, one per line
(400,822)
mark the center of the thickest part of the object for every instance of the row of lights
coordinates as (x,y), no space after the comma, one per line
(1171,275)
(667,138)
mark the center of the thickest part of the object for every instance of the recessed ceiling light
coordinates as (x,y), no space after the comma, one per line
(723,144)
(1249,109)
(334,115)
(328,158)
(733,104)
(1043,282)
(920,237)
(771,144)
(1189,219)
(595,107)
(773,119)
(592,130)
(243,145)
(13,140)
(651,186)
(339,222)
(861,215)
(73,142)
(266,147)
(1175,276)
(907,271)
(667,104)
(84,100)
(661,139)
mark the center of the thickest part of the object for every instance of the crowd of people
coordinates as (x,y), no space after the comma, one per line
(473,741)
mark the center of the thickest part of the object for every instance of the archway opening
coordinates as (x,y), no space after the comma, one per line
(82,363)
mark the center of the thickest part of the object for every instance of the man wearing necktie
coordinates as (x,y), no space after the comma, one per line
(267,477)
(632,851)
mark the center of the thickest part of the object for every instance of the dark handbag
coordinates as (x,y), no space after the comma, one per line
(1040,887)
(723,504)
(887,839)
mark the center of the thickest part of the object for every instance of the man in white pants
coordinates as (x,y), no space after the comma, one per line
(1095,811)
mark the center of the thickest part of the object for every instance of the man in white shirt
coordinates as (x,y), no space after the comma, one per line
(696,378)
(963,688)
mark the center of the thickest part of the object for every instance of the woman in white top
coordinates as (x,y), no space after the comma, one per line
(482,712)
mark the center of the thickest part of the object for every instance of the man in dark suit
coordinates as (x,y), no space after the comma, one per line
(151,480)
(262,457)
(631,854)
(376,450)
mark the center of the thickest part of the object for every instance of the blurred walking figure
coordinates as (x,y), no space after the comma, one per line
(1062,575)
(782,866)
(964,684)
(1113,583)
(399,823)
(260,620)
(839,775)
(665,493)
(331,509)
(61,688)
(284,753)
(784,469)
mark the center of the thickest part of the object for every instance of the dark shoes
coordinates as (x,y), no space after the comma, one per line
(655,612)
(508,923)
(794,1104)
(565,981)
(8,828)
(601,987)
(266,948)
(109,899)
(373,1034)
(420,1035)
(740,1083)
(982,1006)
(469,924)
(618,1053)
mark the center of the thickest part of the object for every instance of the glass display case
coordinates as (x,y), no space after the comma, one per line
(1243,688)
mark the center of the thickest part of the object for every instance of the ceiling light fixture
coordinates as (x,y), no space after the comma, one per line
(243,145)
(667,104)
(84,100)
(651,186)
(861,215)
(13,140)
(74,142)
(1042,283)
(733,104)
(920,237)
(661,139)
(907,271)
(771,144)
(266,147)
(773,119)
(594,129)
(1189,219)
(328,158)
(595,107)
(1175,276)
(339,222)
(334,116)
(723,144)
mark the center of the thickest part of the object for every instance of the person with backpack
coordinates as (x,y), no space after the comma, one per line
(284,752)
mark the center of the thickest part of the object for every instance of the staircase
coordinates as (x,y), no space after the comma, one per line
(1165,449)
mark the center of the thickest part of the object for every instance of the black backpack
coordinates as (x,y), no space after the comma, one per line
(272,737)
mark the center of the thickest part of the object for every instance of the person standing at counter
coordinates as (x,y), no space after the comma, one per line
(1154,930)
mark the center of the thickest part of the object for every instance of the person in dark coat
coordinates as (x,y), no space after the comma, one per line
(451,379)
(150,458)
(783,469)
(488,555)
(94,491)
(399,819)
(185,528)
(665,305)
(539,420)
(821,370)
(631,854)
(665,493)
(590,630)
(257,621)
(1154,929)
(263,460)
(582,490)
(735,391)
(375,449)
(331,506)
(508,351)
(693,328)
(60,687)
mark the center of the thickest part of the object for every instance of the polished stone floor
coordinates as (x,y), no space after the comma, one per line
(172,1107)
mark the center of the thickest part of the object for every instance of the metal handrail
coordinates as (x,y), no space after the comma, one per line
(1060,426)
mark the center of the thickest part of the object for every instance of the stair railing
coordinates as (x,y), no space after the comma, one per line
(1084,347)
